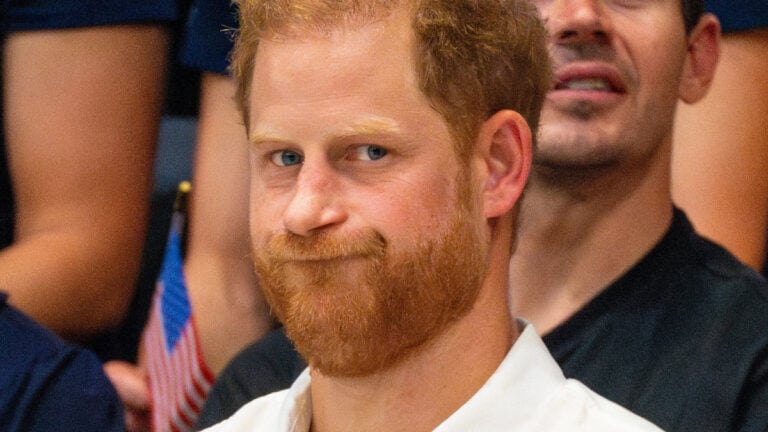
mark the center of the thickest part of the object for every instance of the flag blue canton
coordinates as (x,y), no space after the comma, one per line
(175,302)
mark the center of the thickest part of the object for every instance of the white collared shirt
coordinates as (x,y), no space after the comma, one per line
(527,393)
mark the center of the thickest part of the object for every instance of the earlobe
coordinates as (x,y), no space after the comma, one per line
(506,141)
(701,59)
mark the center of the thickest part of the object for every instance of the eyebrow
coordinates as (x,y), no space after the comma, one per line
(366,127)
(371,126)
(258,138)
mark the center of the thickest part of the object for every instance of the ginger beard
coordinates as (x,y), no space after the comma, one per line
(352,307)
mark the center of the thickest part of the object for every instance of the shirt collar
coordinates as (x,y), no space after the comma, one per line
(527,377)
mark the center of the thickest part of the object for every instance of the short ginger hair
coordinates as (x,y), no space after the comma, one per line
(473,57)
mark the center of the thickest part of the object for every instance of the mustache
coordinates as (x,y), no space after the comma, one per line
(289,247)
(586,51)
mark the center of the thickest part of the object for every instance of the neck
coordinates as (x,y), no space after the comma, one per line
(423,390)
(579,235)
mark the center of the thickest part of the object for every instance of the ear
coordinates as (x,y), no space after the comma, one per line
(505,143)
(701,59)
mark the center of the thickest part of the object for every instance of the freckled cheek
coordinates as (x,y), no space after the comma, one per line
(258,228)
(418,210)
(265,216)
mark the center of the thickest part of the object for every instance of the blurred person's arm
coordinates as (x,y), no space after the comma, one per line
(81,113)
(229,309)
(720,157)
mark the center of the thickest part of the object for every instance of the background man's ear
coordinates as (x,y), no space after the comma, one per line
(505,141)
(701,61)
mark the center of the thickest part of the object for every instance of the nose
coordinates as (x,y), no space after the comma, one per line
(577,21)
(315,204)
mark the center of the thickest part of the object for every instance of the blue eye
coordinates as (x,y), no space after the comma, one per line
(370,152)
(286,158)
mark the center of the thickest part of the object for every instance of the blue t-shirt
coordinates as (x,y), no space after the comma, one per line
(738,15)
(48,385)
(57,14)
(209,35)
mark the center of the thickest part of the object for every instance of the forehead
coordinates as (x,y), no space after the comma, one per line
(300,50)
(363,72)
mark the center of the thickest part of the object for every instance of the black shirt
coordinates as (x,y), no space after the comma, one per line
(681,339)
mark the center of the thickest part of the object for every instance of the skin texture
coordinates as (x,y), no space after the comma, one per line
(80,144)
(326,114)
(719,161)
(600,197)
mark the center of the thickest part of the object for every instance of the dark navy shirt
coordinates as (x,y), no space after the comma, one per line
(209,35)
(48,385)
(57,14)
(738,15)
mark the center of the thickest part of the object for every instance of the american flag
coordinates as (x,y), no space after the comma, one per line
(179,379)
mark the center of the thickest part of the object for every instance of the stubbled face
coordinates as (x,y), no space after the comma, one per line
(363,221)
(617,66)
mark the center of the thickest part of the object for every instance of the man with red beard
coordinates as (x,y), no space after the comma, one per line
(390,144)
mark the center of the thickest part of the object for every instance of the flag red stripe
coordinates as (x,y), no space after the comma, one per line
(179,380)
